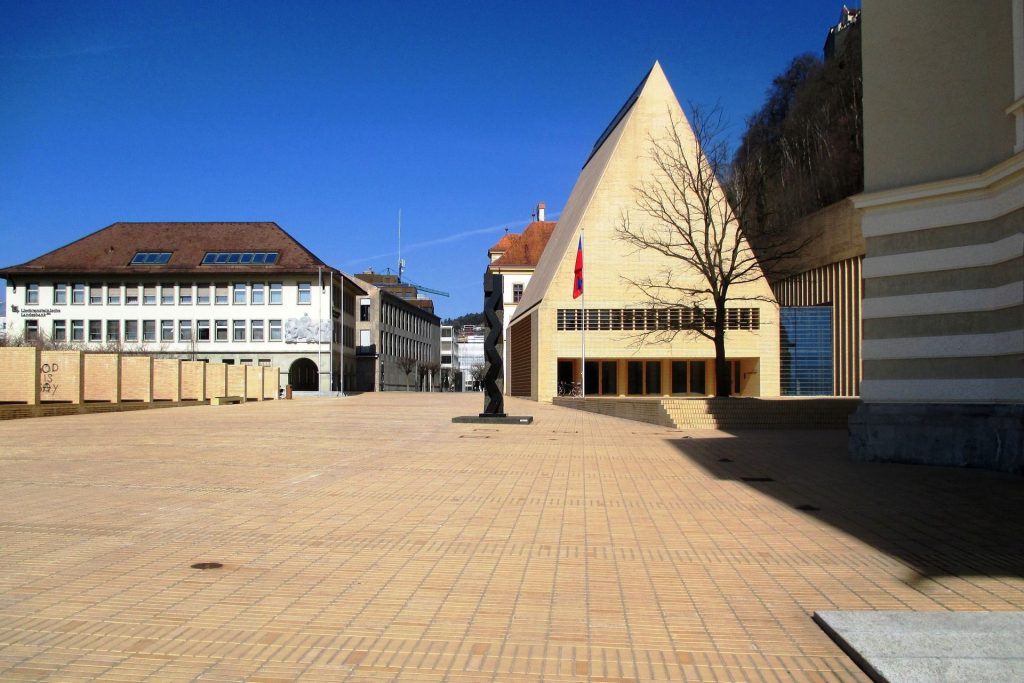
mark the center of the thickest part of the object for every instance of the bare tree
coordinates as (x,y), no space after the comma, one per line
(430,370)
(688,212)
(407,364)
(477,372)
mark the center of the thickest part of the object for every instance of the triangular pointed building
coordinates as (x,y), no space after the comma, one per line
(545,332)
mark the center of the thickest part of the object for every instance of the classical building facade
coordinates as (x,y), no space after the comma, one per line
(236,293)
(943,215)
(546,330)
(399,337)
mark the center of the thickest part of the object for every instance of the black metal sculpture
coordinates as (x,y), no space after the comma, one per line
(494,404)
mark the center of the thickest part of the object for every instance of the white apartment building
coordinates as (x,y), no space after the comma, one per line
(450,369)
(470,346)
(244,293)
(515,258)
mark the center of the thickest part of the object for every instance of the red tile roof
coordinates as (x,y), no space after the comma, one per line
(110,250)
(525,249)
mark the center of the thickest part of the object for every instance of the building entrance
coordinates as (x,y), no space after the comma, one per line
(302,375)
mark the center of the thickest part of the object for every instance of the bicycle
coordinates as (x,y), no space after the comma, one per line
(572,389)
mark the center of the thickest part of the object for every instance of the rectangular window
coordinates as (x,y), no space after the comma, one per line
(166,295)
(95,330)
(364,311)
(304,293)
(203,294)
(679,375)
(275,293)
(113,331)
(31,330)
(149,330)
(96,295)
(220,295)
(202,330)
(653,371)
(517,293)
(245,361)
(167,330)
(697,381)
(275,330)
(114,294)
(257,293)
(264,362)
(635,377)
(184,330)
(239,293)
(131,330)
(77,294)
(131,294)
(60,330)
(609,379)
(238,333)
(77,330)
(257,330)
(149,295)
(60,294)
(221,330)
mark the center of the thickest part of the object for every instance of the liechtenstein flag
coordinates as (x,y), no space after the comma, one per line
(577,283)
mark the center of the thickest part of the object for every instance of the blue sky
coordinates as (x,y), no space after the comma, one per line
(330,117)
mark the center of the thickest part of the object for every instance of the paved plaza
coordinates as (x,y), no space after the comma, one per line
(368,538)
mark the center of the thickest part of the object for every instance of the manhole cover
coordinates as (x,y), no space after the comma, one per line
(207,565)
(757,479)
(725,460)
(806,507)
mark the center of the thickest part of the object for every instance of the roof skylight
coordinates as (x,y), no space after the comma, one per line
(262,258)
(151,258)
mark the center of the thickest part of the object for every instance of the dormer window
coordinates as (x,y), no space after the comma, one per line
(231,258)
(151,258)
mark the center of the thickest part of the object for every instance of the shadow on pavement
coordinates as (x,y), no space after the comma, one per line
(939,520)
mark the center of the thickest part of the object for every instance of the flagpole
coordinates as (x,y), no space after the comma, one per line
(583,332)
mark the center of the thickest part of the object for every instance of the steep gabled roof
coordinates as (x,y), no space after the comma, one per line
(525,249)
(111,249)
(567,230)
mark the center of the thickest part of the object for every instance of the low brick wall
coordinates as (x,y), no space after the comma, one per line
(216,380)
(102,377)
(723,413)
(36,383)
(640,409)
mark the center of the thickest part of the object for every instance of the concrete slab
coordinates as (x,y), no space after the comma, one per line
(931,647)
(494,419)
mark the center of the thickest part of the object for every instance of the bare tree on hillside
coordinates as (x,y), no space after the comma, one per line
(688,212)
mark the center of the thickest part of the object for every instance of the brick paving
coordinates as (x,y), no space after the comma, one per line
(370,539)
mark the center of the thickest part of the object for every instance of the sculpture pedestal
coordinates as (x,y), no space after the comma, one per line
(484,418)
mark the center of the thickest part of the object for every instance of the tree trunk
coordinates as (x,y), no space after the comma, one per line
(721,366)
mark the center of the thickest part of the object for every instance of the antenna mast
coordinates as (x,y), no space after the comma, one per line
(401,263)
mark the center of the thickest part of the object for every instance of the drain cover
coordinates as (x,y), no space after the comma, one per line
(757,479)
(807,507)
(207,565)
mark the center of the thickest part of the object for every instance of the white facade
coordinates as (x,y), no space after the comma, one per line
(241,320)
(450,367)
(470,356)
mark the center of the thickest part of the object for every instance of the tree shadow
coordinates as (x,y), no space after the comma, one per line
(939,520)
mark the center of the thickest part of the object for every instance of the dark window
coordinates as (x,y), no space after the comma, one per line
(635,377)
(95,330)
(517,293)
(806,350)
(590,375)
(679,377)
(609,372)
(653,377)
(697,382)
(31,330)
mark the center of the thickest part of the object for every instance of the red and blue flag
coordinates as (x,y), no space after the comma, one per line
(577,283)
